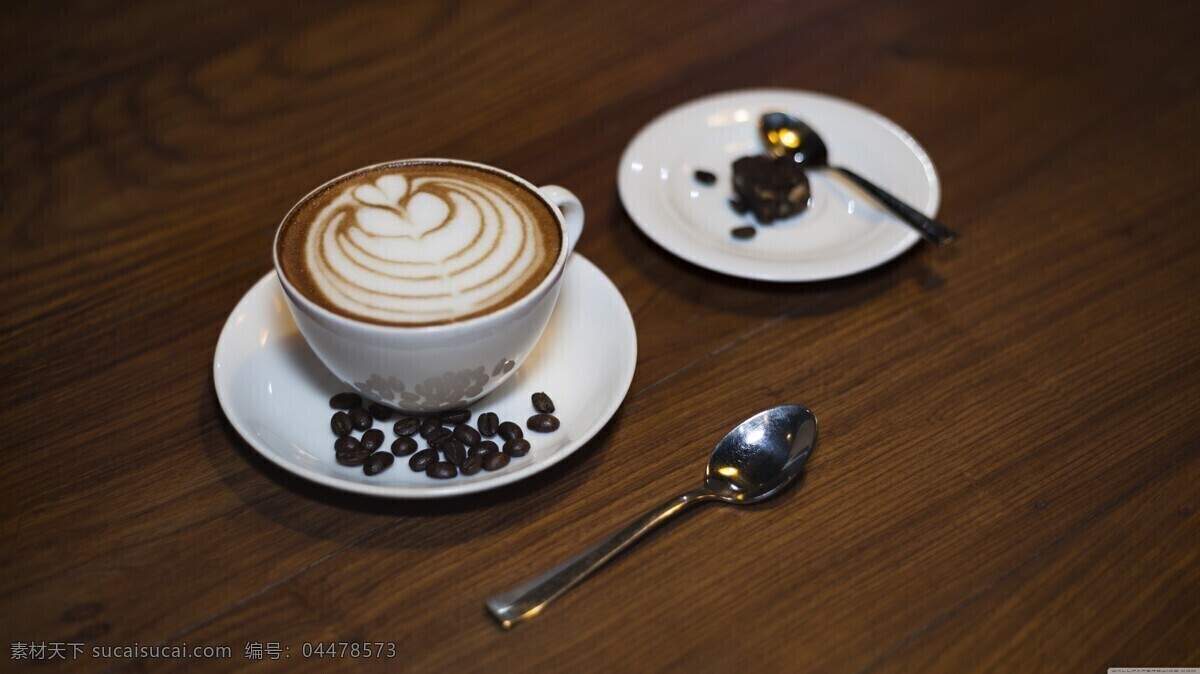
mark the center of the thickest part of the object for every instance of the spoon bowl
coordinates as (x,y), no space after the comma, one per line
(762,455)
(752,463)
(784,135)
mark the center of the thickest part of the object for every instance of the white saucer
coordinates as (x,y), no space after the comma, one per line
(843,232)
(276,393)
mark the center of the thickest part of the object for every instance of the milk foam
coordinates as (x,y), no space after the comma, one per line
(411,248)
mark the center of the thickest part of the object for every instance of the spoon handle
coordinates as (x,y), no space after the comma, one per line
(529,599)
(929,228)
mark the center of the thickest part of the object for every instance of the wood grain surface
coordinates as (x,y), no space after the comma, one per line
(1009,468)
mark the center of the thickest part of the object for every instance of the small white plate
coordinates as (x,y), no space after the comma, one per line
(276,392)
(843,232)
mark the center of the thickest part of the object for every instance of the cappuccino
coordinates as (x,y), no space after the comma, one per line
(419,243)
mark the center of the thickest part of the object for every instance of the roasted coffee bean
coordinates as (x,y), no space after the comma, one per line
(705,177)
(341,424)
(428,426)
(542,402)
(346,443)
(378,462)
(471,465)
(355,457)
(457,416)
(383,412)
(483,448)
(403,446)
(454,451)
(439,434)
(542,423)
(442,470)
(495,460)
(422,459)
(467,435)
(509,430)
(407,426)
(361,419)
(488,423)
(516,448)
(345,401)
(372,439)
(743,232)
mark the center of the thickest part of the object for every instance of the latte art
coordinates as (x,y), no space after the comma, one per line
(416,244)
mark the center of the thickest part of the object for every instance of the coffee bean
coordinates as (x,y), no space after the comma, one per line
(442,470)
(372,439)
(428,426)
(542,402)
(440,433)
(378,462)
(345,401)
(483,448)
(355,457)
(743,232)
(341,424)
(705,177)
(457,416)
(509,430)
(383,412)
(454,450)
(488,423)
(422,459)
(407,426)
(495,460)
(403,446)
(346,443)
(471,465)
(516,448)
(542,423)
(466,435)
(361,419)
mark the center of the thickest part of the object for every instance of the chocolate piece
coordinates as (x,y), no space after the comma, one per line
(772,189)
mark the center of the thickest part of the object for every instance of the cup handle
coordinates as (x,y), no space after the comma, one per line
(571,208)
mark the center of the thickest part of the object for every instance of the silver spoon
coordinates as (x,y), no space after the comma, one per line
(785,135)
(754,462)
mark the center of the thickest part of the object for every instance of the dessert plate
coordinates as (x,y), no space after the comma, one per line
(843,231)
(276,392)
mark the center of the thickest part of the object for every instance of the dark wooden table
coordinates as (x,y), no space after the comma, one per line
(1009,468)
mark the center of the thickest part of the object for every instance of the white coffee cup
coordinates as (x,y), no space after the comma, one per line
(431,368)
